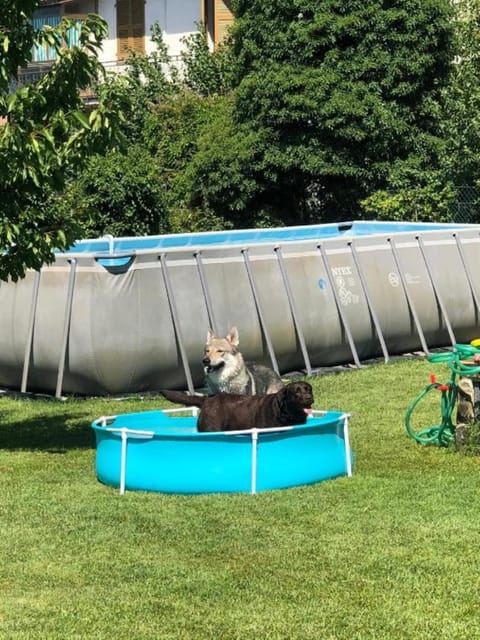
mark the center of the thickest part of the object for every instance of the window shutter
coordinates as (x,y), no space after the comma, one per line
(223,18)
(130,27)
(138,26)
(123,21)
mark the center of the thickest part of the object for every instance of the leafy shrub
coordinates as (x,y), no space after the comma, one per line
(120,194)
(428,203)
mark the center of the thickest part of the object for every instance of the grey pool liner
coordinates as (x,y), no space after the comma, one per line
(122,315)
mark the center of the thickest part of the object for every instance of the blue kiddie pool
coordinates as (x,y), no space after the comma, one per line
(163,451)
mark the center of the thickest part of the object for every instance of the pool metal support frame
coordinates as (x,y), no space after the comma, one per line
(341,312)
(346,438)
(441,304)
(66,327)
(296,322)
(206,292)
(31,326)
(406,291)
(371,309)
(126,433)
(176,322)
(468,273)
(261,316)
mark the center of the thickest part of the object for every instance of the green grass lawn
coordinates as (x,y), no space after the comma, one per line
(392,552)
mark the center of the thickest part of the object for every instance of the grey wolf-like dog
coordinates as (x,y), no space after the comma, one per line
(227,372)
(232,412)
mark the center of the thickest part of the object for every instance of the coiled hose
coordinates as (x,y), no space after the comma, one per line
(462,362)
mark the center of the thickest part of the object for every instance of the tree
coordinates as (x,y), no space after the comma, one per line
(119,193)
(222,177)
(145,188)
(207,72)
(461,122)
(337,94)
(46,134)
(431,188)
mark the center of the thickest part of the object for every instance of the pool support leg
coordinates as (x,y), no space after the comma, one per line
(253,484)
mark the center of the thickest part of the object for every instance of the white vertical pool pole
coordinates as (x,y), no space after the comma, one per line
(348,458)
(253,482)
(123,461)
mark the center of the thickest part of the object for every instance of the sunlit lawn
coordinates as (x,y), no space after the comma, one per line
(390,553)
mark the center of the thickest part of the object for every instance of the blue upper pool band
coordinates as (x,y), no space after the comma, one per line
(109,245)
(162,451)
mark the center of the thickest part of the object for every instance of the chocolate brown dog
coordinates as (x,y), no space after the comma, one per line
(232,412)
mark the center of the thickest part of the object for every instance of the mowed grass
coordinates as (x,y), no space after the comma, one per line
(392,552)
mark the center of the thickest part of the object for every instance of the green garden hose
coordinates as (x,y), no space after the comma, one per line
(457,359)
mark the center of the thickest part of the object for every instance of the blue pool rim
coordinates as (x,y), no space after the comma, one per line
(162,451)
(124,247)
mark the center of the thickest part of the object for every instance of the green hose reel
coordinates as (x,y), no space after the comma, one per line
(463,361)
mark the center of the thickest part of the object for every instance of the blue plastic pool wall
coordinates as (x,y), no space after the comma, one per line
(322,447)
(117,316)
(181,460)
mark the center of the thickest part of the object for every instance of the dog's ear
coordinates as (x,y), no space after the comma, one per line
(210,335)
(233,336)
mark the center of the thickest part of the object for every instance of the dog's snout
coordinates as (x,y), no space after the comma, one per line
(206,361)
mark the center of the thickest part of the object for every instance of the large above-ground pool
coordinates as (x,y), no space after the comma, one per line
(112,316)
(162,451)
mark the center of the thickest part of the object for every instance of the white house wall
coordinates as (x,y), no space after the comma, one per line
(106,8)
(177,20)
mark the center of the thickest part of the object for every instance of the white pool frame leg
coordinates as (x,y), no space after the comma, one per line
(253,482)
(124,433)
(348,451)
(123,461)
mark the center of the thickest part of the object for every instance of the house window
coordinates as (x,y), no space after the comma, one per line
(44,53)
(52,17)
(130,27)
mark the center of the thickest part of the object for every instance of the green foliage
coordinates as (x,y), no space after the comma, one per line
(221,176)
(308,112)
(119,193)
(123,191)
(165,118)
(415,191)
(420,187)
(204,71)
(341,91)
(429,203)
(47,135)
(461,118)
(330,104)
(16,37)
(151,78)
(172,134)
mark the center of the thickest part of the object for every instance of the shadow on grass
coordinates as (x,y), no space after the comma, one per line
(48,433)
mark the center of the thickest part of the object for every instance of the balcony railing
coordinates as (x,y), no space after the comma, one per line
(34,72)
(31,74)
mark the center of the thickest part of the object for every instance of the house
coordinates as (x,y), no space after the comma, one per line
(129,23)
